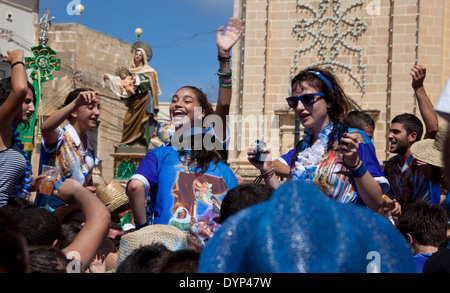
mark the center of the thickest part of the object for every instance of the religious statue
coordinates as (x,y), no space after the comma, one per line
(45,24)
(138,88)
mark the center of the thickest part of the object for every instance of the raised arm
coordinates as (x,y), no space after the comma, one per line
(426,108)
(19,87)
(136,195)
(96,227)
(49,127)
(225,41)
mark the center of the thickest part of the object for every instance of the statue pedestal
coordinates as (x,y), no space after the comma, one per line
(126,161)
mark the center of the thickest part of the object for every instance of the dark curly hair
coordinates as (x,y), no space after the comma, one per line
(338,100)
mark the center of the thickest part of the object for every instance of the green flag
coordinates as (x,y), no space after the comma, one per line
(43,64)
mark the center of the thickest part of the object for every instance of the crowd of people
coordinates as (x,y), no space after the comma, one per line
(336,208)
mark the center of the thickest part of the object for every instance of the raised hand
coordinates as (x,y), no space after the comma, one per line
(98,264)
(86,98)
(418,74)
(226,40)
(348,148)
(238,177)
(13,56)
(266,165)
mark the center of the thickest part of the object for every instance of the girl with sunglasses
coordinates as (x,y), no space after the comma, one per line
(341,161)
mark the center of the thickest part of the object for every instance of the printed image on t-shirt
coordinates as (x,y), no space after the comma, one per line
(197,201)
(177,195)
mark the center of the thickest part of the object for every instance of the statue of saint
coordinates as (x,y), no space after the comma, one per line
(140,119)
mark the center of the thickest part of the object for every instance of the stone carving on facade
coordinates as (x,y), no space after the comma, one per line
(331,31)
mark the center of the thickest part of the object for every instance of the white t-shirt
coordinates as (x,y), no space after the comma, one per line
(443,105)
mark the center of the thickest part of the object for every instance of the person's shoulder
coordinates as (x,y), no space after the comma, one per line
(438,262)
(163,153)
(391,163)
(224,166)
(161,150)
(288,155)
(227,174)
(392,160)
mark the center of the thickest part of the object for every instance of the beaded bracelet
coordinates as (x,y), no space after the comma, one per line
(225,82)
(224,58)
(221,73)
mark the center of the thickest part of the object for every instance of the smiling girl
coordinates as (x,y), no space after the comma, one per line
(68,148)
(167,175)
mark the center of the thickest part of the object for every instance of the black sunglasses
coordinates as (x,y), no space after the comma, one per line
(306,99)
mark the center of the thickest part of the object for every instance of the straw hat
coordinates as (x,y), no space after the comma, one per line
(169,236)
(431,151)
(113,196)
(64,211)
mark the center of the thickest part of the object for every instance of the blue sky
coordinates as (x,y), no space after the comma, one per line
(180,32)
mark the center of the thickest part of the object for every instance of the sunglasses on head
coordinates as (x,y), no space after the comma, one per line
(306,99)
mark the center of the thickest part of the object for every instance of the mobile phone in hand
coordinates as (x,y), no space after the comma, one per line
(341,129)
(260,157)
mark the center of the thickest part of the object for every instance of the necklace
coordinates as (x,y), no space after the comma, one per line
(310,156)
(22,189)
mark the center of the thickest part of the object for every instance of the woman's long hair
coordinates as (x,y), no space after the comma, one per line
(5,90)
(335,97)
(200,159)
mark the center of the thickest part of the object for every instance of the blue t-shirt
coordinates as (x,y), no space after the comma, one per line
(178,196)
(420,260)
(334,181)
